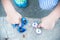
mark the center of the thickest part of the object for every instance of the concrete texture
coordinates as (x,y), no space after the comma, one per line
(33,13)
(7,31)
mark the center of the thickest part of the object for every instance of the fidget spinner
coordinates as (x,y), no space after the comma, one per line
(35,25)
(20,27)
(21,30)
(38,30)
(21,3)
(24,22)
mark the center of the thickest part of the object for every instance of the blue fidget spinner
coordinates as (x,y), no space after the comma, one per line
(15,25)
(23,21)
(20,28)
(21,3)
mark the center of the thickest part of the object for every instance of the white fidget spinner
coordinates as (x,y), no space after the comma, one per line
(38,31)
(35,24)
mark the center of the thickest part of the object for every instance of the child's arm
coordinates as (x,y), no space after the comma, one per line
(49,21)
(56,11)
(8,7)
(13,16)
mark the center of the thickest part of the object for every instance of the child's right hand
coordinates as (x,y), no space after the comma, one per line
(14,18)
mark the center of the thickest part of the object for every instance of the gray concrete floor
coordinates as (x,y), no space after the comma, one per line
(29,12)
(7,31)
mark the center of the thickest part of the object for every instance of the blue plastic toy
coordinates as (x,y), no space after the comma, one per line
(23,21)
(21,30)
(21,3)
(15,25)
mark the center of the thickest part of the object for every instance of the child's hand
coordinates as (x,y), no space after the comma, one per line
(48,22)
(14,18)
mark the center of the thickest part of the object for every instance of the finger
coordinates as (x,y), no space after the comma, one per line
(40,26)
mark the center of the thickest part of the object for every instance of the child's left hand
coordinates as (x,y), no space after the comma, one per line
(14,18)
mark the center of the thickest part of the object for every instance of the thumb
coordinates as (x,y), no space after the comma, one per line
(40,26)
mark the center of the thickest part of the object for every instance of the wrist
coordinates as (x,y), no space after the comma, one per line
(11,13)
(8,7)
